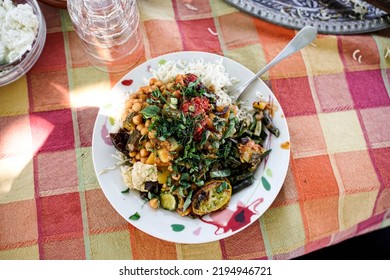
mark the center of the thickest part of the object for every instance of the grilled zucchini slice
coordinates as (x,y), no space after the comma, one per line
(215,195)
(168,201)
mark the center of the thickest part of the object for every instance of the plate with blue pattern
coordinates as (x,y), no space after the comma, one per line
(327,16)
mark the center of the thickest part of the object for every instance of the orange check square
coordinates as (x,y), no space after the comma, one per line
(309,141)
(356,171)
(77,52)
(159,41)
(246,244)
(18,223)
(101,215)
(315,178)
(273,39)
(49,90)
(199,35)
(238,30)
(67,249)
(147,247)
(321,217)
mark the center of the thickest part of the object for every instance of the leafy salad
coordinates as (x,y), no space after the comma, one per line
(186,148)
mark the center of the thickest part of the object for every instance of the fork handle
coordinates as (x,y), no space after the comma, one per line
(304,37)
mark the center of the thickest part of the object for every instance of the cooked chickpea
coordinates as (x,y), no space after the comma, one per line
(152,81)
(129,103)
(147,123)
(153,203)
(143,97)
(178,78)
(151,134)
(143,152)
(137,119)
(133,153)
(176,94)
(144,159)
(137,107)
(144,131)
(169,86)
(140,127)
(138,157)
(148,145)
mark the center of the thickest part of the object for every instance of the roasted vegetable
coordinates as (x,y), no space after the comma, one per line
(152,187)
(133,140)
(168,201)
(202,152)
(127,123)
(215,195)
(243,184)
(250,151)
(267,121)
(162,175)
(120,139)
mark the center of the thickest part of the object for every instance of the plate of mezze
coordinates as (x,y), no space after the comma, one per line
(179,159)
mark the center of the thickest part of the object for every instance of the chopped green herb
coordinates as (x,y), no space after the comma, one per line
(205,136)
(205,142)
(199,183)
(188,200)
(184,177)
(222,187)
(220,173)
(135,216)
(231,129)
(151,111)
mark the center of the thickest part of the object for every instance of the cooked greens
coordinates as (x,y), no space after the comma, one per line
(203,152)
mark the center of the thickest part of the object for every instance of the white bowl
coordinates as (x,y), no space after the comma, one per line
(22,66)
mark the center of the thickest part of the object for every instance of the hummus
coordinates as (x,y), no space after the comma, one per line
(135,177)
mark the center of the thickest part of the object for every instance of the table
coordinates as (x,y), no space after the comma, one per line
(335,95)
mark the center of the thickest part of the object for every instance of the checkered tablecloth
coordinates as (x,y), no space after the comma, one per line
(337,109)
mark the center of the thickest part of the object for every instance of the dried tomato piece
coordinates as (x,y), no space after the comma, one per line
(196,106)
(190,78)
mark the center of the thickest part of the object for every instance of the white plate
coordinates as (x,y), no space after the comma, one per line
(245,207)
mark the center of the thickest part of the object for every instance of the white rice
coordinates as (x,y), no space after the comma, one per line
(210,74)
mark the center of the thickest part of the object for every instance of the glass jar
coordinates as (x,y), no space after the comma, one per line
(109,31)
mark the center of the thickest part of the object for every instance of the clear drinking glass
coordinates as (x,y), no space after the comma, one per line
(109,31)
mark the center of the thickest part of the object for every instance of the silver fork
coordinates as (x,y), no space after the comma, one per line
(304,37)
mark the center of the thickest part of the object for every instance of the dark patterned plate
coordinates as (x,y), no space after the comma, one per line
(328,16)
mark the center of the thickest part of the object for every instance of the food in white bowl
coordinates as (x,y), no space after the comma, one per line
(19,27)
(22,38)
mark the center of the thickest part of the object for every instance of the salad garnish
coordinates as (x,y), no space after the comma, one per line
(184,151)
